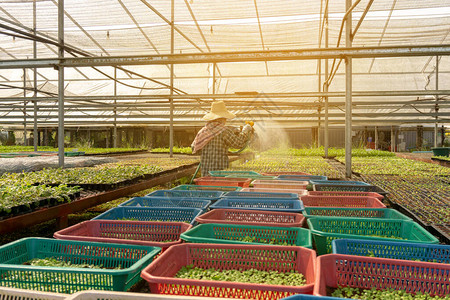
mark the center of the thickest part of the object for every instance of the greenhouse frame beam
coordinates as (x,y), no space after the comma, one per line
(266,116)
(238,56)
(257,97)
(201,122)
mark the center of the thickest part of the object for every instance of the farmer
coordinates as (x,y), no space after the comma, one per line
(214,139)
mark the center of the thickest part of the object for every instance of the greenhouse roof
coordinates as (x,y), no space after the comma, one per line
(387,90)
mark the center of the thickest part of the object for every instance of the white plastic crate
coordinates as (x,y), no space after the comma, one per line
(110,295)
(19,294)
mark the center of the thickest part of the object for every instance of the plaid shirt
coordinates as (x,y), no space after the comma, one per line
(214,155)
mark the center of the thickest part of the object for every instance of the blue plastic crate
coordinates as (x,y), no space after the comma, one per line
(166,202)
(338,182)
(260,204)
(200,195)
(175,214)
(261,195)
(302,177)
(395,250)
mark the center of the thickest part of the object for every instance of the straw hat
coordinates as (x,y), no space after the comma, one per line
(218,110)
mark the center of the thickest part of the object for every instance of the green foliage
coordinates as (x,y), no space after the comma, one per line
(99,175)
(369,294)
(25,194)
(266,162)
(395,166)
(292,278)
(320,151)
(86,149)
(53,262)
(183,150)
(442,157)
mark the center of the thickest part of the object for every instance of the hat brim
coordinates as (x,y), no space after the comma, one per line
(213,116)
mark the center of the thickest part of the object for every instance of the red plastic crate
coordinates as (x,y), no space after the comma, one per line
(341,201)
(223,181)
(344,193)
(335,270)
(252,217)
(284,173)
(160,274)
(299,192)
(126,232)
(280,184)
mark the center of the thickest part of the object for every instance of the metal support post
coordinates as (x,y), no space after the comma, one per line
(436,107)
(115,110)
(25,107)
(214,79)
(392,139)
(35,108)
(319,108)
(348,94)
(172,50)
(376,137)
(325,88)
(61,84)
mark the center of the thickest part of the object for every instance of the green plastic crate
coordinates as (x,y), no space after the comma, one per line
(194,187)
(374,213)
(230,234)
(326,229)
(130,258)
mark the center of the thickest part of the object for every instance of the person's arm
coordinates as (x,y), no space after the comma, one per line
(237,139)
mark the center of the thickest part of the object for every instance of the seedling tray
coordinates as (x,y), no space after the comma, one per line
(335,270)
(131,259)
(338,182)
(194,187)
(260,204)
(160,275)
(156,234)
(377,213)
(302,177)
(326,229)
(394,250)
(162,214)
(252,217)
(284,173)
(263,195)
(342,201)
(232,234)
(344,193)
(185,194)
(166,202)
(280,184)
(223,181)
(349,188)
(299,192)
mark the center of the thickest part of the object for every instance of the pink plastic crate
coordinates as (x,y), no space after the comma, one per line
(126,232)
(280,184)
(160,274)
(344,193)
(335,270)
(252,217)
(341,201)
(299,192)
(223,181)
